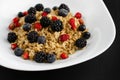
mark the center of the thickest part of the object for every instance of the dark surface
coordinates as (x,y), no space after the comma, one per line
(103,67)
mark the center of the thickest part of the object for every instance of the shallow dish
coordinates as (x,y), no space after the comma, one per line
(97,20)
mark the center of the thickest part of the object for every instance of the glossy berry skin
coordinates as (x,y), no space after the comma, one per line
(64,6)
(45,21)
(20,14)
(41,40)
(12,37)
(82,28)
(44,14)
(30,18)
(64,37)
(57,26)
(32,36)
(86,35)
(25,13)
(50,58)
(72,23)
(55,8)
(47,10)
(54,18)
(78,15)
(81,43)
(27,27)
(40,57)
(64,56)
(25,55)
(32,10)
(63,12)
(37,26)
(14,46)
(39,7)
(18,52)
(11,26)
(15,20)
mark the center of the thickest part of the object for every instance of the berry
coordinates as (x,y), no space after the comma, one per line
(39,7)
(20,14)
(26,27)
(55,8)
(11,26)
(63,12)
(25,13)
(25,55)
(44,14)
(32,10)
(45,21)
(64,55)
(30,18)
(12,37)
(82,28)
(64,6)
(37,26)
(72,23)
(47,10)
(41,40)
(64,37)
(50,58)
(81,21)
(78,15)
(39,57)
(32,36)
(17,24)
(15,20)
(86,35)
(18,52)
(13,46)
(57,25)
(54,18)
(81,43)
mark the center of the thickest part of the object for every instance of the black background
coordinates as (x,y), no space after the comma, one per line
(104,67)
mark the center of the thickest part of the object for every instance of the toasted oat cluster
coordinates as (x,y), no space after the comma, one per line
(45,34)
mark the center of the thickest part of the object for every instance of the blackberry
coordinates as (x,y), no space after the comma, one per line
(57,25)
(82,28)
(47,10)
(26,27)
(20,14)
(18,52)
(45,21)
(32,36)
(63,12)
(12,37)
(32,10)
(41,40)
(30,18)
(50,58)
(81,43)
(86,35)
(55,8)
(39,57)
(64,6)
(39,7)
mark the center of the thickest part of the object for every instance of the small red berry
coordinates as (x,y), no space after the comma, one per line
(11,26)
(37,26)
(54,18)
(25,55)
(44,14)
(78,15)
(17,24)
(64,55)
(15,20)
(13,46)
(64,37)
(72,23)
(25,13)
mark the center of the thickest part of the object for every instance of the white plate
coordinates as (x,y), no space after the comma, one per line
(97,19)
